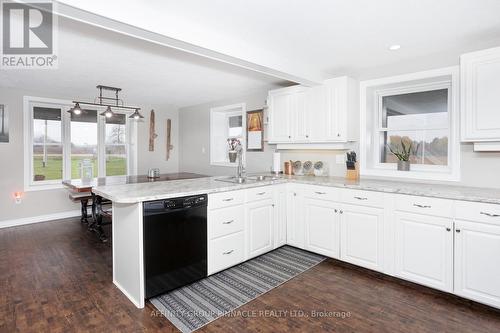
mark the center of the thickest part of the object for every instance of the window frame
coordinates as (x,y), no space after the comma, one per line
(370,138)
(29,102)
(228,111)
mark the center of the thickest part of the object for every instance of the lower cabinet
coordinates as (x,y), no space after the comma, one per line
(322,227)
(295,218)
(260,225)
(280,215)
(362,236)
(225,252)
(424,249)
(477,272)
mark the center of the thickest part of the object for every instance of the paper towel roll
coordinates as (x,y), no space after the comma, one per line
(276,162)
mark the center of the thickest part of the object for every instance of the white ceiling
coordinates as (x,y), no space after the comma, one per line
(149,74)
(322,38)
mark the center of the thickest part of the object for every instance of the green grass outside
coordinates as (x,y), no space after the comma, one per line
(53,170)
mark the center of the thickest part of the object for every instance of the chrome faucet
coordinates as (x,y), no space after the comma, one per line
(240,170)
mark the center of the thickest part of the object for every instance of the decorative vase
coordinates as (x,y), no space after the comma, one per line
(232,156)
(403,165)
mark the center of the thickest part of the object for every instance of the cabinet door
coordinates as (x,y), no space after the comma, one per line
(260,227)
(295,218)
(322,227)
(280,212)
(424,250)
(362,236)
(318,120)
(477,273)
(300,118)
(480,97)
(336,110)
(280,116)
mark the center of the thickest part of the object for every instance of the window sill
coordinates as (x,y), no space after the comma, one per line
(416,175)
(43,187)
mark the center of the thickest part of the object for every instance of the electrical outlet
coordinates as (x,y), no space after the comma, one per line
(203,150)
(340,159)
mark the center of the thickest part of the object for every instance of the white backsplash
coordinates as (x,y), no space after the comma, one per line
(328,157)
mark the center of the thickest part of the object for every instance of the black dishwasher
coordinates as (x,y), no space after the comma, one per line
(175,243)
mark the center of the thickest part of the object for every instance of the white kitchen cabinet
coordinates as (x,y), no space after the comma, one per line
(424,249)
(295,217)
(280,215)
(480,97)
(260,227)
(327,113)
(322,227)
(362,236)
(477,273)
(287,115)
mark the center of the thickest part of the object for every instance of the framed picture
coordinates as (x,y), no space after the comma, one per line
(4,124)
(255,130)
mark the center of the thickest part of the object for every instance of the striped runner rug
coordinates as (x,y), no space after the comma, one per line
(193,306)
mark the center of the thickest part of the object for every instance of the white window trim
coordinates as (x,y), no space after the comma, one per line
(226,109)
(377,169)
(29,183)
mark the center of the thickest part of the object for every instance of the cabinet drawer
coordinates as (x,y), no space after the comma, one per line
(424,205)
(226,221)
(259,193)
(226,199)
(477,211)
(322,192)
(364,198)
(225,252)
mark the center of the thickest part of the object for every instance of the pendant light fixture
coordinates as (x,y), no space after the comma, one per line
(109,102)
(108,113)
(76,110)
(136,115)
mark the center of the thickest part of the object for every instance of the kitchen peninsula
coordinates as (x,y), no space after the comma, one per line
(376,224)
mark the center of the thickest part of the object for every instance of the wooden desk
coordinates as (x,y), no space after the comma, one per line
(79,189)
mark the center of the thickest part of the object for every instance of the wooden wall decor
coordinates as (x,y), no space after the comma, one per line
(168,138)
(152,134)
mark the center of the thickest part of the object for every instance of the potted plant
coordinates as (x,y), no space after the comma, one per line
(233,149)
(403,154)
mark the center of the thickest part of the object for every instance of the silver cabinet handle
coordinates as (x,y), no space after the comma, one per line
(448,229)
(320,192)
(228,222)
(261,193)
(458,230)
(341,211)
(489,214)
(228,252)
(360,198)
(230,199)
(421,206)
(335,210)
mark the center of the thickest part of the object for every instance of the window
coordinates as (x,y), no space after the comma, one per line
(56,143)
(418,111)
(226,122)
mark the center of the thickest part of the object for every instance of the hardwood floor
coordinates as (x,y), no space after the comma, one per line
(56,277)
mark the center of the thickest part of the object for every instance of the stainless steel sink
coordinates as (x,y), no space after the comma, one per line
(261,178)
(236,180)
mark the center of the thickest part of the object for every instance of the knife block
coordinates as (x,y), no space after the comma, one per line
(353,174)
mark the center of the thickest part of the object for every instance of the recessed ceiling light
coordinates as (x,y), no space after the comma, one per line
(394,47)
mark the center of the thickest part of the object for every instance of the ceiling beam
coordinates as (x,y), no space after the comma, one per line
(88,17)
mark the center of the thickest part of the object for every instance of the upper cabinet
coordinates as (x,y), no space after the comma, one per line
(327,113)
(480,97)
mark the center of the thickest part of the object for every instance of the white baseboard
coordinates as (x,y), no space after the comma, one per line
(39,218)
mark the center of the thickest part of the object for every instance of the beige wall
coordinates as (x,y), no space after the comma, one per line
(194,129)
(37,203)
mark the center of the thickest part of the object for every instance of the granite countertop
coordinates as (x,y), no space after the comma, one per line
(133,193)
